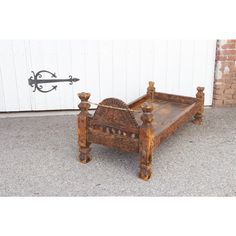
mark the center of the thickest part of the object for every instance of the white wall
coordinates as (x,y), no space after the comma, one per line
(120,69)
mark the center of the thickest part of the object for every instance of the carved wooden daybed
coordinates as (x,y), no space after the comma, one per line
(139,127)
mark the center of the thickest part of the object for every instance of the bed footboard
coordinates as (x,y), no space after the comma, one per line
(113,124)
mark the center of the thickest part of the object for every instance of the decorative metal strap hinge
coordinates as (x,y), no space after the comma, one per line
(35,81)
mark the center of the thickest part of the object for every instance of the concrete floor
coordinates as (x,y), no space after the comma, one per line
(38,158)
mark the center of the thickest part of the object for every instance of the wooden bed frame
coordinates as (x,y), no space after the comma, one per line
(139,127)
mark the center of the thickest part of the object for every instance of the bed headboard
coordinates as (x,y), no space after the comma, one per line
(117,119)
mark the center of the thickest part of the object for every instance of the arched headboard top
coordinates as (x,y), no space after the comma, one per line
(107,115)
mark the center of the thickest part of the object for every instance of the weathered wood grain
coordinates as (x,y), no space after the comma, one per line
(159,115)
(200,104)
(83,123)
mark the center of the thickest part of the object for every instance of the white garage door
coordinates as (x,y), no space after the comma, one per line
(119,69)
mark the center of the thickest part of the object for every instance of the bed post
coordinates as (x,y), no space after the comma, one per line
(151,90)
(146,142)
(200,104)
(83,121)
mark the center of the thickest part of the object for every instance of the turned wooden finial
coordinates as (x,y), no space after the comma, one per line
(84,97)
(200,90)
(151,89)
(83,124)
(147,107)
(147,116)
(198,117)
(200,96)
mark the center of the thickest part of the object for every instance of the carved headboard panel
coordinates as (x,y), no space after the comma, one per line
(114,118)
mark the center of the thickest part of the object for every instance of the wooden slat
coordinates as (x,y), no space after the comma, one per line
(199,71)
(115,141)
(64,70)
(37,64)
(78,68)
(2,98)
(160,65)
(21,74)
(119,69)
(106,68)
(146,65)
(176,98)
(8,76)
(109,68)
(50,62)
(133,70)
(29,68)
(210,68)
(186,68)
(173,66)
(92,70)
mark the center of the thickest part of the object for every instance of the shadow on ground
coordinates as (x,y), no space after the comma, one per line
(38,157)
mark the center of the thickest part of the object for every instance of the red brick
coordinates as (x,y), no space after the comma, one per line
(218,102)
(231,58)
(232,68)
(229,91)
(228,76)
(228,52)
(228,46)
(225,58)
(219,86)
(227,63)
(225,82)
(230,81)
(221,58)
(220,81)
(218,91)
(219,97)
(227,86)
(228,102)
(228,96)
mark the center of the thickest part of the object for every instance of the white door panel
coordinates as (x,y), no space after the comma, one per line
(106,68)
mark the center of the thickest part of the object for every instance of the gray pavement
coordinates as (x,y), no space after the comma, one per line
(38,158)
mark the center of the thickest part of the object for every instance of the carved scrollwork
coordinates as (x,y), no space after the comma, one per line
(114,118)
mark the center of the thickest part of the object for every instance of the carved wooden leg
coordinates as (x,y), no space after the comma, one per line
(198,118)
(85,155)
(146,142)
(145,165)
(83,123)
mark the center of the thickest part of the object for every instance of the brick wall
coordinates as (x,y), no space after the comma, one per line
(225,74)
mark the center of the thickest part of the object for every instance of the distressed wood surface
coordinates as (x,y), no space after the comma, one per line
(146,141)
(156,117)
(114,118)
(200,104)
(83,124)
